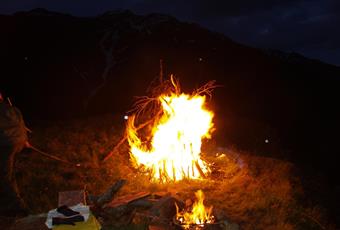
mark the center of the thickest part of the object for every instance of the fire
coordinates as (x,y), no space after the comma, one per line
(199,215)
(175,147)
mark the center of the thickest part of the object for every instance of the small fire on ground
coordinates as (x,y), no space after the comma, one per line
(198,215)
(174,152)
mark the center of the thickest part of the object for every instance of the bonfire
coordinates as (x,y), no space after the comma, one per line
(171,151)
(198,215)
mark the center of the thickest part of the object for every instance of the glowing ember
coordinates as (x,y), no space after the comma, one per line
(199,215)
(175,147)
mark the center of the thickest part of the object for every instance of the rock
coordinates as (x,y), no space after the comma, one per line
(165,207)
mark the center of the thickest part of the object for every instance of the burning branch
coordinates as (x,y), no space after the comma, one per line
(197,165)
(177,122)
(122,141)
(206,89)
(170,148)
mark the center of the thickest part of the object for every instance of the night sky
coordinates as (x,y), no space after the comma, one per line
(309,27)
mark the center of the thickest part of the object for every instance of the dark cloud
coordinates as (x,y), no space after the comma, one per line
(306,26)
(309,27)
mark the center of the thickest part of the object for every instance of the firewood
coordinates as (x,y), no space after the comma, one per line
(107,196)
(127,199)
(123,140)
(200,170)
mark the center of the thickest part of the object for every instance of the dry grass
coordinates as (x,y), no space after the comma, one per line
(255,192)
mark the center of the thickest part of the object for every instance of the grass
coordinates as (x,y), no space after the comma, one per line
(255,192)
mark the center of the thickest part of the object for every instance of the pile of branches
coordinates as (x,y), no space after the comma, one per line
(147,110)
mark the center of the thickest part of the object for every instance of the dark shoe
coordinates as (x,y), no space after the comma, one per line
(66,211)
(59,220)
(68,220)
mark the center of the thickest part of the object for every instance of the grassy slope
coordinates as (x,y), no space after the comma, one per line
(255,192)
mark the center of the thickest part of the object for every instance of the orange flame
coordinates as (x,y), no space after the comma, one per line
(199,215)
(176,139)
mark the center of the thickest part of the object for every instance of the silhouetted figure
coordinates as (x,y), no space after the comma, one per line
(13,138)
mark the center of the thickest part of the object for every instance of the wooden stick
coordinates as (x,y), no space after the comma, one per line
(200,170)
(173,171)
(192,168)
(313,219)
(160,174)
(167,177)
(9,101)
(122,140)
(28,145)
(183,173)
